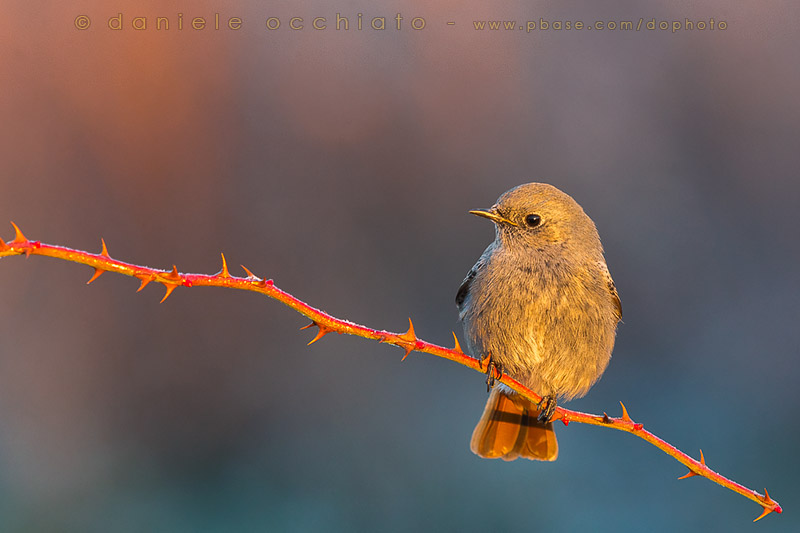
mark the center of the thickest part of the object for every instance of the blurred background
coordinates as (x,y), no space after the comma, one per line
(342,164)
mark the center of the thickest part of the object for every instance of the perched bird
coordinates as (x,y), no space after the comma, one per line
(541,305)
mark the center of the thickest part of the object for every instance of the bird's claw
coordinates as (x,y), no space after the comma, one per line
(547,408)
(494,371)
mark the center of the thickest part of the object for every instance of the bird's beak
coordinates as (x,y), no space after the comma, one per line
(492,215)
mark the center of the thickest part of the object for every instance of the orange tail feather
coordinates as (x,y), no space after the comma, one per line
(509,429)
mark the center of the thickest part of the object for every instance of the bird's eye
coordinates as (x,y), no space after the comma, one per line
(533,220)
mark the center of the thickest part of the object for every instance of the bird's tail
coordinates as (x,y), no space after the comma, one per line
(509,429)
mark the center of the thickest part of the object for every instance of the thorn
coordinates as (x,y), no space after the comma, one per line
(692,473)
(565,420)
(457,347)
(174,275)
(19,238)
(104,251)
(224,272)
(764,513)
(145,280)
(250,275)
(408,351)
(321,333)
(625,416)
(409,336)
(309,326)
(606,419)
(3,246)
(408,340)
(170,287)
(772,503)
(97,272)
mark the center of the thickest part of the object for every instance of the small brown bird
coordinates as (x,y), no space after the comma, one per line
(541,305)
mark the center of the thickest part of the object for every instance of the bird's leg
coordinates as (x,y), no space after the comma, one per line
(494,371)
(547,408)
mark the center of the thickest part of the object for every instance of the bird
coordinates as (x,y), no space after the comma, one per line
(541,306)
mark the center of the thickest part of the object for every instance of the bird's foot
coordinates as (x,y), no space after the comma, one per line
(494,371)
(547,408)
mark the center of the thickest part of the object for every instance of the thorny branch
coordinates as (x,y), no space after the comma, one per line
(326,323)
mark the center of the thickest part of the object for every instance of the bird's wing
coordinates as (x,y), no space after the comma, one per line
(463,290)
(611,289)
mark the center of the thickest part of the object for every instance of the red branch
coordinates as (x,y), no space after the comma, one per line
(326,323)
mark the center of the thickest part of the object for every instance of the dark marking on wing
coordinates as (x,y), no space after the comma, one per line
(613,290)
(463,290)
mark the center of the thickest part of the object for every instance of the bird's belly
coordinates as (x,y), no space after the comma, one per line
(551,350)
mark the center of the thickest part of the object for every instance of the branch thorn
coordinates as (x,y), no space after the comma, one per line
(250,275)
(692,473)
(309,326)
(224,272)
(321,333)
(97,272)
(625,416)
(104,251)
(174,275)
(409,349)
(170,287)
(408,340)
(764,513)
(769,506)
(457,347)
(769,500)
(145,280)
(409,336)
(19,238)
